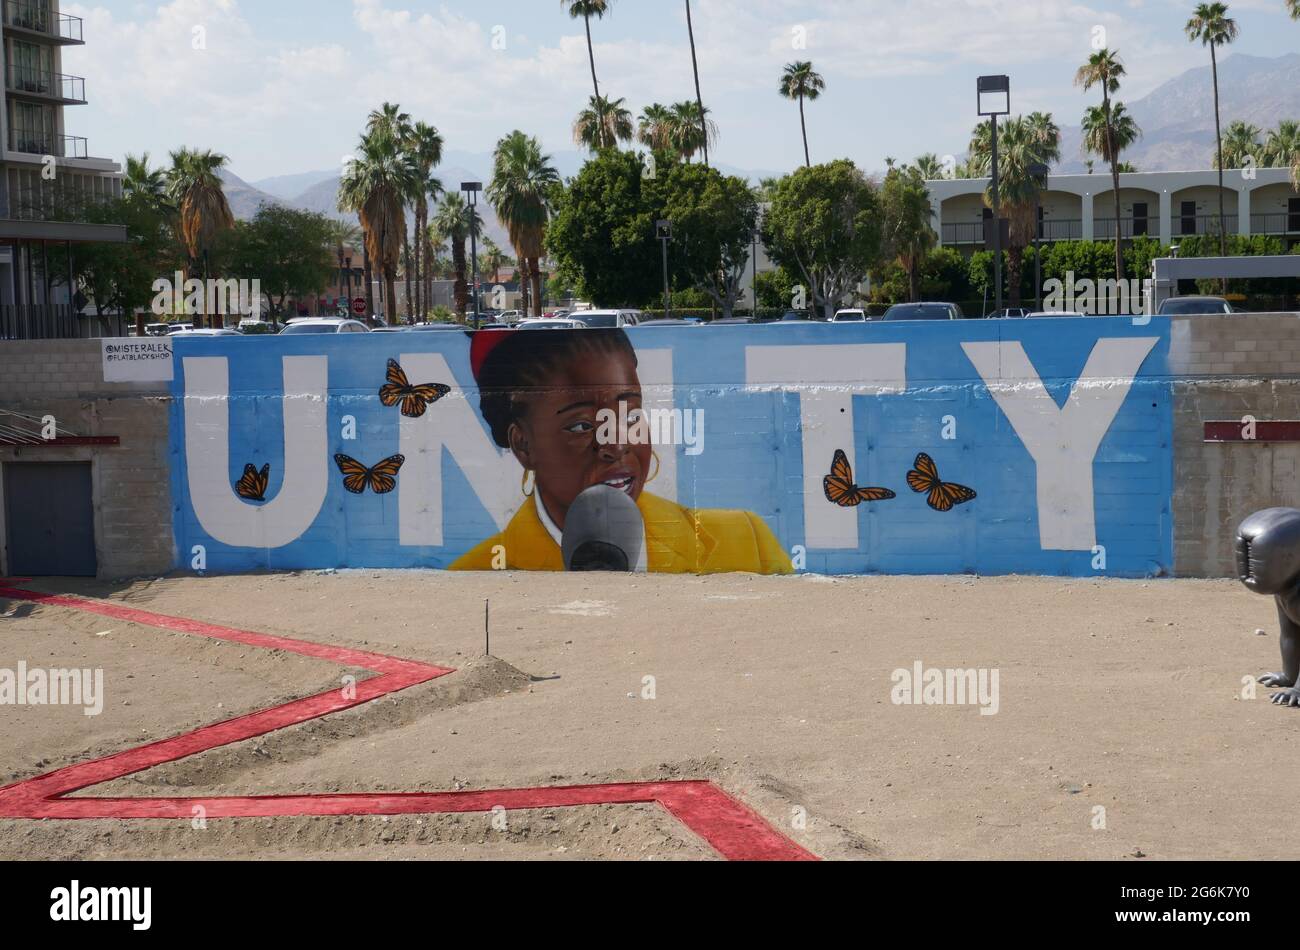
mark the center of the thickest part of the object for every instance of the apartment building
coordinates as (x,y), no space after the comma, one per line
(46,174)
(1164,205)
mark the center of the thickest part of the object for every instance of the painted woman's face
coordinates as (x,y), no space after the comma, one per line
(560,435)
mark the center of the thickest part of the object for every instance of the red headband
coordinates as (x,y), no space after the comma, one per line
(485,341)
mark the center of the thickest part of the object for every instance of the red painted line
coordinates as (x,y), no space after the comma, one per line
(732,829)
(1274,431)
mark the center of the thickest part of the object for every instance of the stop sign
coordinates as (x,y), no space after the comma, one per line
(359,306)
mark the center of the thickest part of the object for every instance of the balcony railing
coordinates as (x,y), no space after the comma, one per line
(46,84)
(38,322)
(39,18)
(1103,229)
(31,142)
(1275,222)
(1049,229)
(1188,225)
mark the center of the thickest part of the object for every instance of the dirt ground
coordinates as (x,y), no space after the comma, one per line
(1120,694)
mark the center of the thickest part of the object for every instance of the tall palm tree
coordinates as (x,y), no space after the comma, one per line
(702,115)
(425,147)
(689,130)
(194,189)
(452,224)
(799,81)
(1108,135)
(930,167)
(376,186)
(143,183)
(1023,142)
(1104,69)
(1044,127)
(1293,7)
(588,9)
(654,128)
(1240,144)
(390,118)
(522,180)
(1282,149)
(1211,25)
(603,124)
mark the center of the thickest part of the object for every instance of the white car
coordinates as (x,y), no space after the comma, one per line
(545,324)
(193,333)
(850,316)
(608,319)
(1041,314)
(323,325)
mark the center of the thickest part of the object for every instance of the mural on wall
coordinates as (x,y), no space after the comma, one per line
(978,446)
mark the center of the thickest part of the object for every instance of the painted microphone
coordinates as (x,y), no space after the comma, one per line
(603,531)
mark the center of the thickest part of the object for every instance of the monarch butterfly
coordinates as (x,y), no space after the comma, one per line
(253,484)
(841,490)
(414,399)
(357,478)
(944,496)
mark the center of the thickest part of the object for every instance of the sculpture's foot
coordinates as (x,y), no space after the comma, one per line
(1277,679)
(1287,697)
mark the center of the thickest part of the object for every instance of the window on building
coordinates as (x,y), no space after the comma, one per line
(1140,219)
(1293,216)
(1189,218)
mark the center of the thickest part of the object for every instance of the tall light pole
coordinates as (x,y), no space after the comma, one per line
(1039,172)
(471,189)
(757,239)
(994,94)
(664,231)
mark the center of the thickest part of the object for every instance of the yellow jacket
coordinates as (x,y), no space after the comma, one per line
(678,541)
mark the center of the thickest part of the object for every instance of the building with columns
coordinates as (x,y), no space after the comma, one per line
(1164,205)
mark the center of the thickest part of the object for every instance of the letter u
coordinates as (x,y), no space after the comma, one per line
(221,513)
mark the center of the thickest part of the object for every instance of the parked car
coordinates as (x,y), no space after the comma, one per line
(189,334)
(1194,306)
(179,327)
(923,311)
(795,316)
(1042,314)
(509,317)
(1010,313)
(427,327)
(157,329)
(545,324)
(498,326)
(850,316)
(730,322)
(668,322)
(323,325)
(608,319)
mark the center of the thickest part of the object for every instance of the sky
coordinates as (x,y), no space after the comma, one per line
(284,86)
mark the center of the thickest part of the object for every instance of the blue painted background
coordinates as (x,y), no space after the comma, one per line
(753,449)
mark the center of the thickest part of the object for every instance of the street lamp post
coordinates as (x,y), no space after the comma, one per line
(1039,172)
(757,240)
(348,272)
(471,189)
(664,231)
(994,94)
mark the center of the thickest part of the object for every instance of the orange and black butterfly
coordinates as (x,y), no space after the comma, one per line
(944,496)
(841,490)
(357,478)
(414,399)
(253,484)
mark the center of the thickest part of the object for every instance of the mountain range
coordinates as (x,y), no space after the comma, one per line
(1177,122)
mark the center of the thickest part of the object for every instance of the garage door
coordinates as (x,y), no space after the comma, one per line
(49,519)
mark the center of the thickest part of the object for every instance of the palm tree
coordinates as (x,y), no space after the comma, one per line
(1211,25)
(1023,142)
(689,130)
(143,183)
(1241,144)
(452,224)
(603,124)
(654,128)
(706,134)
(1104,69)
(376,186)
(194,189)
(930,167)
(389,117)
(588,9)
(800,82)
(522,180)
(425,147)
(1282,149)
(1108,136)
(1293,7)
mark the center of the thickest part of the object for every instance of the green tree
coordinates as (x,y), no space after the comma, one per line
(1282,149)
(452,225)
(1240,144)
(825,226)
(602,232)
(291,252)
(801,82)
(714,216)
(194,189)
(907,233)
(121,276)
(523,180)
(690,130)
(376,186)
(1211,25)
(776,288)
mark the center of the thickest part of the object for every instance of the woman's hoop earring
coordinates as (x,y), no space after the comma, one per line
(525,485)
(658,466)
